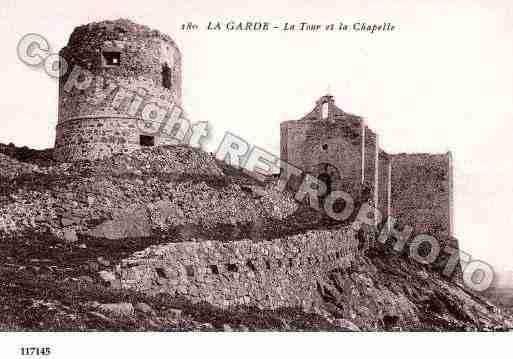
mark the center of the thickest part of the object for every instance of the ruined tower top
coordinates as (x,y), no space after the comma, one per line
(126,50)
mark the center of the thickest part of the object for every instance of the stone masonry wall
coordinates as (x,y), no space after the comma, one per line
(371,164)
(329,140)
(422,193)
(92,138)
(309,145)
(268,274)
(104,102)
(384,177)
(416,189)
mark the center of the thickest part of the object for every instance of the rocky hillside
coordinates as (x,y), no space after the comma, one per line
(384,291)
(63,226)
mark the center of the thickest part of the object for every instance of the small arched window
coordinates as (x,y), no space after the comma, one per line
(166,76)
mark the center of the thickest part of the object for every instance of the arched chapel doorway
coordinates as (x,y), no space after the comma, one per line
(329,175)
(326,179)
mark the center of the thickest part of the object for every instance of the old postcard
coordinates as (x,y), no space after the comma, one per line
(190,168)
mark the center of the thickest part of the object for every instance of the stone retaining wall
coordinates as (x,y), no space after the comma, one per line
(270,274)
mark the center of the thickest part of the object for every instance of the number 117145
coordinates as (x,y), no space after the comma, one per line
(35,351)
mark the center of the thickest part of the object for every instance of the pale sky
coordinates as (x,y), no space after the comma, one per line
(443,80)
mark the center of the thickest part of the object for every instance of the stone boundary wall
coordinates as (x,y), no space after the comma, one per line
(270,274)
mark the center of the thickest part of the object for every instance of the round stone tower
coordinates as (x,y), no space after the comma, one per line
(114,69)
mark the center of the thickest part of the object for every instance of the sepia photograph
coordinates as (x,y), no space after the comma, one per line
(289,170)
